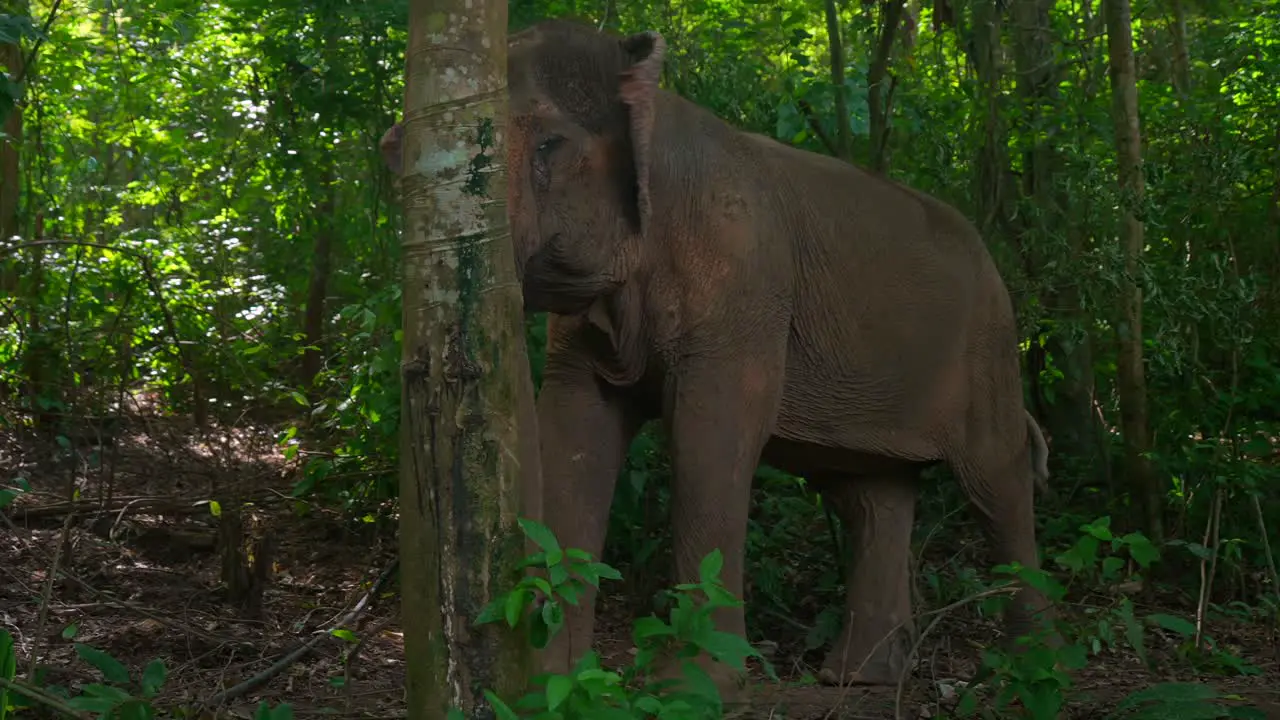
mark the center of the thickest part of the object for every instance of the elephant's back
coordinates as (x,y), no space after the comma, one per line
(897,305)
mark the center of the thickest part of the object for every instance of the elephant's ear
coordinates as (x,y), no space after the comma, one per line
(638,88)
(390,147)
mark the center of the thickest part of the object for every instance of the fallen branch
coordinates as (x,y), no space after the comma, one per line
(289,659)
(154,505)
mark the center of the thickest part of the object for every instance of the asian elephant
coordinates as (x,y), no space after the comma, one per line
(768,304)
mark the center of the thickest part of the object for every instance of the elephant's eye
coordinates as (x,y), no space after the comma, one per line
(541,166)
(549,144)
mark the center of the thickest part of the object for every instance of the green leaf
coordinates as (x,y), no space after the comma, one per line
(728,648)
(553,616)
(1141,549)
(539,634)
(135,709)
(344,634)
(699,683)
(569,593)
(8,668)
(494,611)
(101,705)
(1182,626)
(558,689)
(648,627)
(515,606)
(1073,656)
(110,692)
(1041,699)
(70,631)
(1169,693)
(500,708)
(1133,632)
(541,535)
(283,711)
(710,567)
(558,573)
(605,571)
(153,676)
(110,668)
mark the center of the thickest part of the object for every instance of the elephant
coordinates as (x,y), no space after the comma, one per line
(767,304)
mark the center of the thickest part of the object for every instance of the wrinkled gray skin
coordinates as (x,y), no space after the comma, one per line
(769,304)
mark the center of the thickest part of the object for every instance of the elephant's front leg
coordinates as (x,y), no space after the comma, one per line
(585,427)
(719,413)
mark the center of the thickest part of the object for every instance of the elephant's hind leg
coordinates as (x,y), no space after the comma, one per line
(999,485)
(877,513)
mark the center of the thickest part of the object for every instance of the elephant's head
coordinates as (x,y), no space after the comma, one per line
(581,119)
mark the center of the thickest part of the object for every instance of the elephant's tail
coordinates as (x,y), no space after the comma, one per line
(1039,453)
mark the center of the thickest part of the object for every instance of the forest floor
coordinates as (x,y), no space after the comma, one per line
(139,579)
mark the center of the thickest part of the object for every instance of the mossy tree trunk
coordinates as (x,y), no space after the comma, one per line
(468,434)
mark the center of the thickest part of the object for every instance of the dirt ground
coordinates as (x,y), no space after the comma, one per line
(138,577)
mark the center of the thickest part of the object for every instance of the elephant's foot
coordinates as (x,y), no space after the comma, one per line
(864,663)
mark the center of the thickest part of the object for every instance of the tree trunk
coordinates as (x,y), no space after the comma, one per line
(1068,409)
(844,132)
(468,433)
(318,288)
(991,165)
(877,95)
(1181,56)
(1132,379)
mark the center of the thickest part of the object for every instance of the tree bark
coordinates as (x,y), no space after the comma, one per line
(1132,378)
(877,96)
(1181,55)
(992,163)
(844,132)
(468,433)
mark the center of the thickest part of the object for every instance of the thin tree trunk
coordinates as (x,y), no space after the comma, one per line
(318,288)
(1132,378)
(10,186)
(844,132)
(992,165)
(468,432)
(1181,56)
(877,96)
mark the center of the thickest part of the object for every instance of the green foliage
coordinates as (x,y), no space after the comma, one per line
(119,697)
(635,691)
(1189,701)
(1033,679)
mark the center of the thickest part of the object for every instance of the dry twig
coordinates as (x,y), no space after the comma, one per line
(1208,566)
